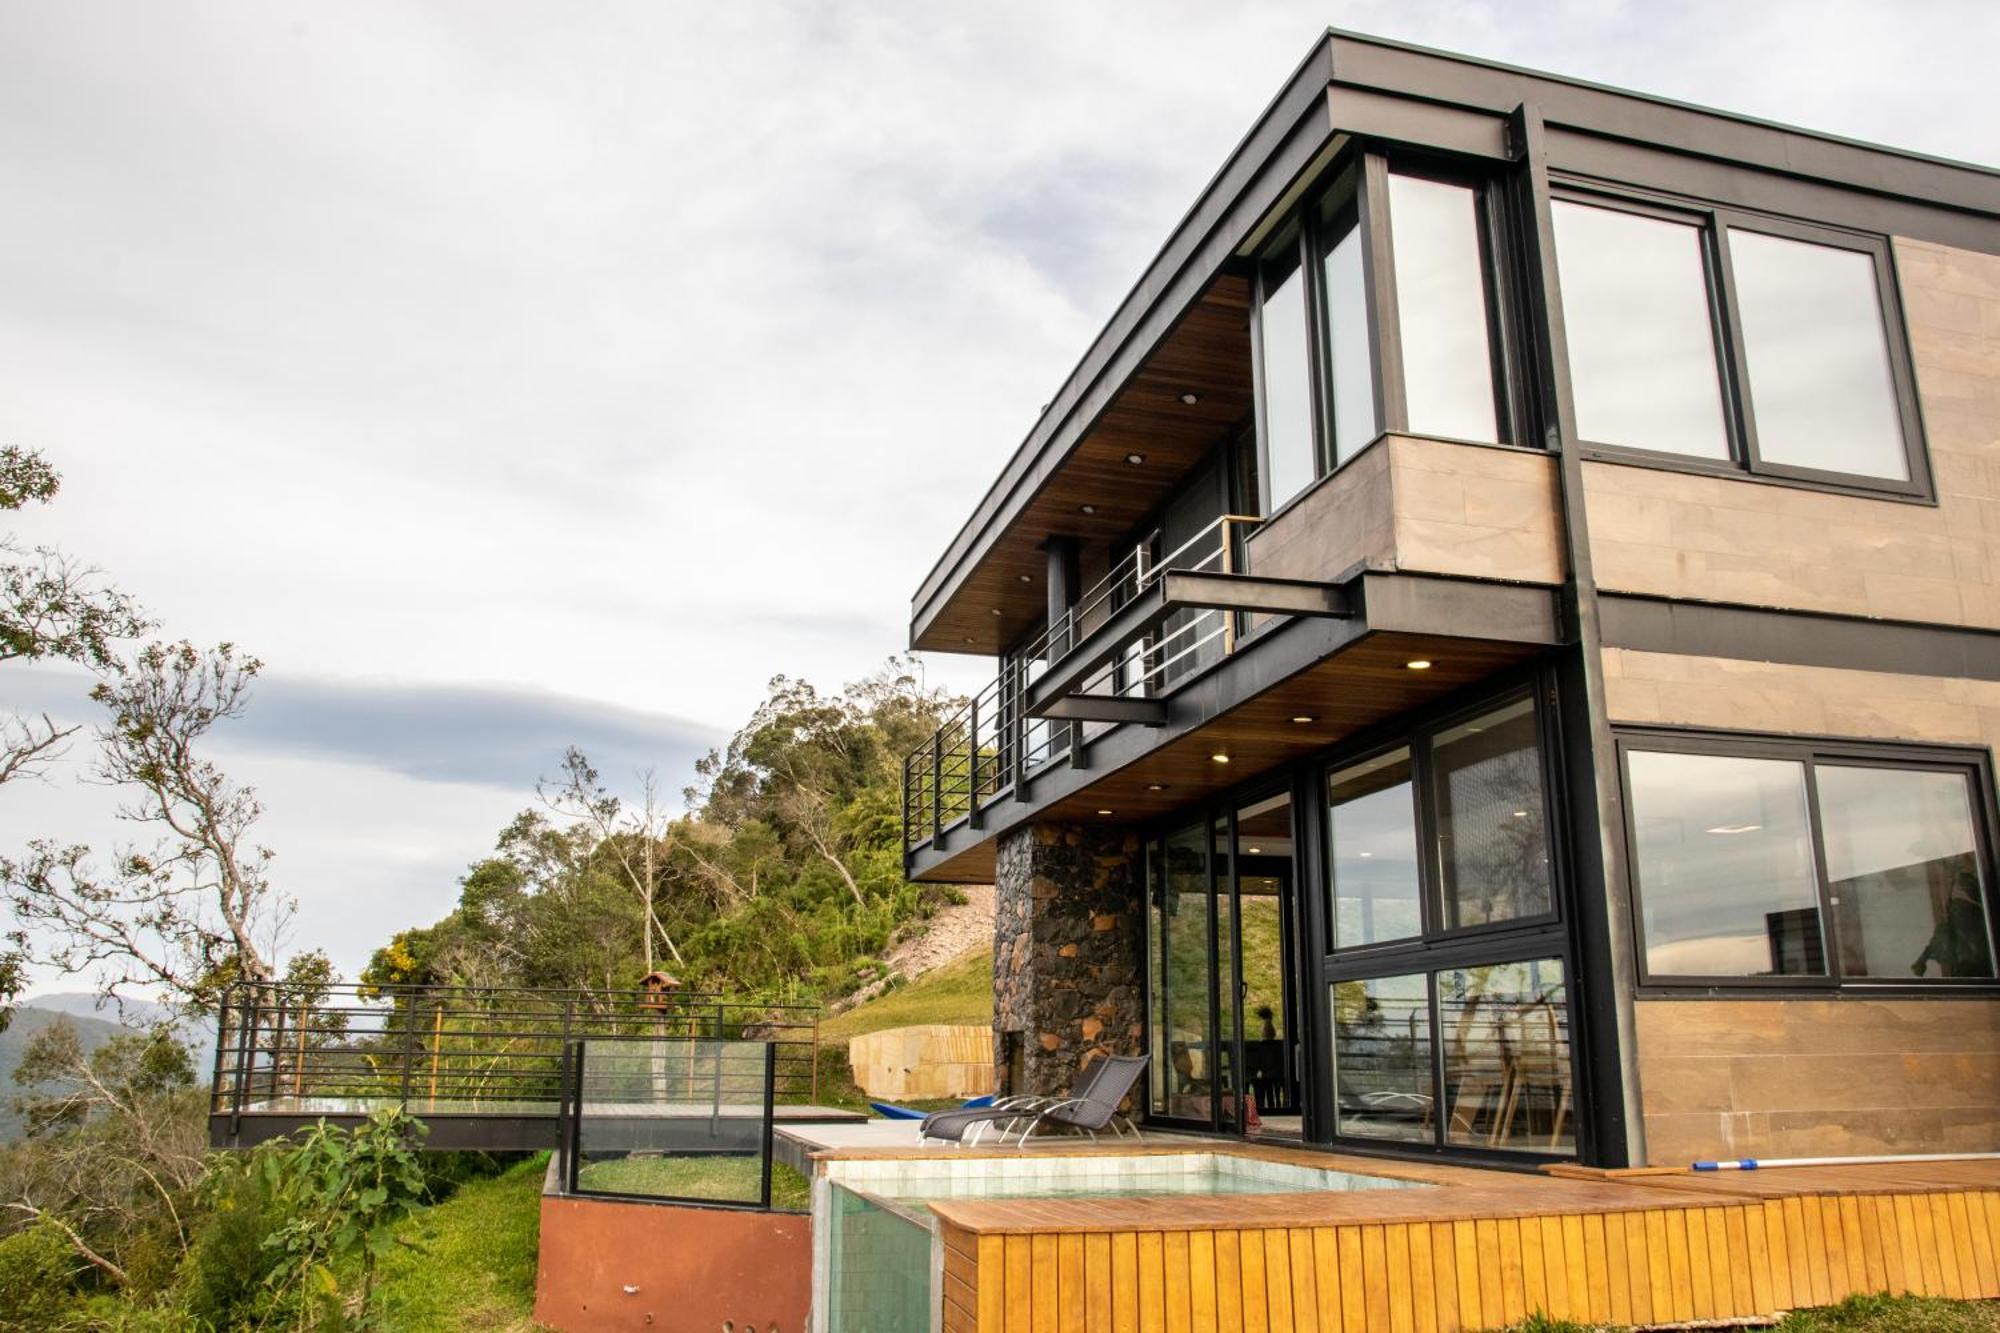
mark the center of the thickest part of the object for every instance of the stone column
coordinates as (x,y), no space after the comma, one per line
(1069,939)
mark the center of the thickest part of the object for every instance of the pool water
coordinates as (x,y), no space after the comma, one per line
(877,1258)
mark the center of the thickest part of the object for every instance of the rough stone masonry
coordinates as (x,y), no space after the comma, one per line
(1068,945)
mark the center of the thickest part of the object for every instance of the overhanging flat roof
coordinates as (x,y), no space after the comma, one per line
(1352,86)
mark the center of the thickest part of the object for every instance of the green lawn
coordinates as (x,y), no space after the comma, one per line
(1856,1314)
(726,1179)
(958,992)
(475,1269)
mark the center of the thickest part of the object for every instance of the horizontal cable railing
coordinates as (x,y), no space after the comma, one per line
(990,742)
(318,1050)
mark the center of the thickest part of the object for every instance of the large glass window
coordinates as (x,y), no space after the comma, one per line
(1651,298)
(1821,390)
(1903,873)
(1372,818)
(1350,357)
(1492,841)
(1725,865)
(1441,306)
(1783,862)
(1505,1032)
(1382,1081)
(1291,459)
(1642,361)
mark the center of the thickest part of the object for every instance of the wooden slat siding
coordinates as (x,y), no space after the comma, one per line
(1555,1268)
(1853,1243)
(1992,1202)
(1722,1283)
(1982,1243)
(1823,1220)
(1097,1283)
(1174,1259)
(1423,1280)
(1534,1270)
(1396,1276)
(1042,1282)
(1893,1278)
(1305,1280)
(1757,1253)
(1955,1284)
(1228,1282)
(992,1291)
(1018,1266)
(1326,1279)
(1152,1283)
(1071,1298)
(1958,1225)
(1444,1274)
(1201,1282)
(1374,1279)
(1125,1282)
(1254,1294)
(1353,1289)
(1278,1280)
(1920,1234)
(1621,1270)
(1736,1258)
(1465,1258)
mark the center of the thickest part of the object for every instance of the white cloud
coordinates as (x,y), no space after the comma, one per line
(638,352)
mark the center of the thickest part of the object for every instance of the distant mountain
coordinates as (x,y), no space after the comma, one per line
(96,1021)
(30,1019)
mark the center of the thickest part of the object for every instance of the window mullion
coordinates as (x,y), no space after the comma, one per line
(1829,928)
(1378,258)
(1430,877)
(1734,365)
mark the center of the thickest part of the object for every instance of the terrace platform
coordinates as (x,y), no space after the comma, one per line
(1484,1248)
(500,1126)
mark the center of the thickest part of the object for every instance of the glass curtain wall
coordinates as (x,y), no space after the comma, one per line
(1446,973)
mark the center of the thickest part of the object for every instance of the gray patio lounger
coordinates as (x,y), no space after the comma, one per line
(1092,1105)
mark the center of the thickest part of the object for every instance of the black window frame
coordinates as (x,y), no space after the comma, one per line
(1360,188)
(1433,935)
(1973,762)
(1713,222)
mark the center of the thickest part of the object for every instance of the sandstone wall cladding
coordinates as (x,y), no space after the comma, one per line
(1068,943)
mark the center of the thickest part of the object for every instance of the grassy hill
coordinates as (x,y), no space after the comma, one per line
(469,1263)
(961,991)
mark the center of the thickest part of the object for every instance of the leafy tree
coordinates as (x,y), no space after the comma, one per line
(196,909)
(51,607)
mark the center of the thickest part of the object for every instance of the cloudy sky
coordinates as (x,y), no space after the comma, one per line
(506,375)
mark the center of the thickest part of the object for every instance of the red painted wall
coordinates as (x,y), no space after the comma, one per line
(691,1268)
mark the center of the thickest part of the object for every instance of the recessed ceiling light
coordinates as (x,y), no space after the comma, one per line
(1190,398)
(1726,829)
(970,639)
(1107,812)
(1220,758)
(1419,664)
(1256,851)
(1303,718)
(996,610)
(1025,578)
(1135,459)
(1520,814)
(1366,855)
(1088,509)
(1156,786)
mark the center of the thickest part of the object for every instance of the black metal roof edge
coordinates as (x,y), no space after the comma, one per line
(1321,64)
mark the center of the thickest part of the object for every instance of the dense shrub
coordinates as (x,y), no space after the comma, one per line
(37,1277)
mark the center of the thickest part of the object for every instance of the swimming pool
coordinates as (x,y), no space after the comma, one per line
(877,1259)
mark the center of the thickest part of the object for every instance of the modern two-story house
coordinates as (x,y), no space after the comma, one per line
(1498,641)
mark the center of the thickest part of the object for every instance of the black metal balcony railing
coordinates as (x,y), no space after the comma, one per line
(349,1050)
(996,740)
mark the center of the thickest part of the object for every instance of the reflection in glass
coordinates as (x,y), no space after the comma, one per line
(1382,1058)
(1818,356)
(1190,1052)
(1486,783)
(1263,868)
(1507,1071)
(1902,864)
(1372,826)
(1158,1083)
(1725,866)
(1441,305)
(1348,349)
(1226,993)
(1290,461)
(1641,343)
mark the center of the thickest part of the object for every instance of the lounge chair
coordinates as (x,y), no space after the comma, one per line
(1092,1105)
(891,1111)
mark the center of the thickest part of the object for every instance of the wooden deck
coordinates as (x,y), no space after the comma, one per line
(1482,1250)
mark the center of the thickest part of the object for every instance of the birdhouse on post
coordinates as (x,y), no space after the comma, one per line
(657,990)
